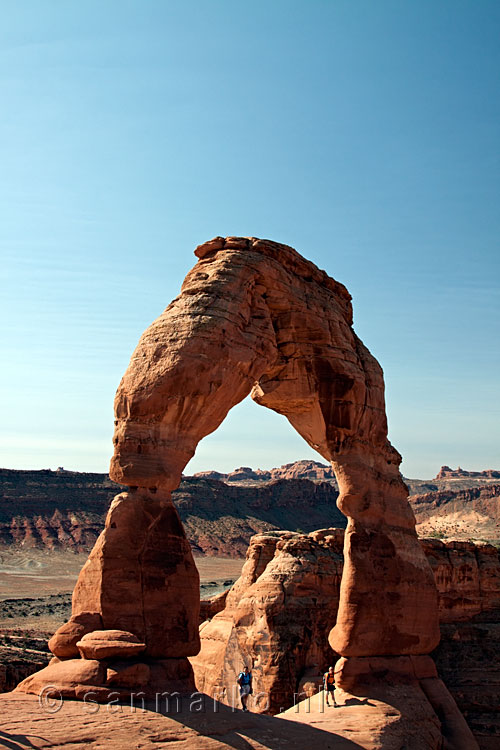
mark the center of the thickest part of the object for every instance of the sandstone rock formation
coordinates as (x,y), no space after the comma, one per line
(103,644)
(254,317)
(276,620)
(467,576)
(446,473)
(297,470)
(400,718)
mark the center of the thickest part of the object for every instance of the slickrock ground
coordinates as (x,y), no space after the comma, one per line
(386,719)
(468,657)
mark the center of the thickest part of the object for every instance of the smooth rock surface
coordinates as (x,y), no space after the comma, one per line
(103,644)
(390,719)
(64,677)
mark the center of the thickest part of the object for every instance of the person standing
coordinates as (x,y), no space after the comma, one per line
(245,682)
(329,686)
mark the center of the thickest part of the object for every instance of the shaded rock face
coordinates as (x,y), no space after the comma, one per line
(467,576)
(276,620)
(254,317)
(468,656)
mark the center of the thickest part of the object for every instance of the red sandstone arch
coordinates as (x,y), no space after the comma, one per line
(253,317)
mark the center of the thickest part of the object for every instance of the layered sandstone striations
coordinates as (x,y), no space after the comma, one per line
(46,509)
(220,519)
(460,513)
(66,510)
(53,509)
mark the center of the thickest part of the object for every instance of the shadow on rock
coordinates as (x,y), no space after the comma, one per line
(356,702)
(241,730)
(18,741)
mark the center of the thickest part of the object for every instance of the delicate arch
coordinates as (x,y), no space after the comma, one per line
(255,317)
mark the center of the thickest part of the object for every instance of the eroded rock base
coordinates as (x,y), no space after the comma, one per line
(140,578)
(110,680)
(412,675)
(135,609)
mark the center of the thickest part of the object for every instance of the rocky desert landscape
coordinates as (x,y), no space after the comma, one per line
(288,570)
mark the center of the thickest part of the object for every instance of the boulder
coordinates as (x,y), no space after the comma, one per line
(63,642)
(64,678)
(105,644)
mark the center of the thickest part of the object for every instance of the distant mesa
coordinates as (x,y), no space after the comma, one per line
(313,470)
(446,473)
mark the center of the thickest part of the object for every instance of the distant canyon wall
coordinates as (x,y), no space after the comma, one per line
(66,510)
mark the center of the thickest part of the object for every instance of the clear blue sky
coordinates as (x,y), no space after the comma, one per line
(365,134)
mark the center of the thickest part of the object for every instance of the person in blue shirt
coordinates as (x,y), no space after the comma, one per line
(245,682)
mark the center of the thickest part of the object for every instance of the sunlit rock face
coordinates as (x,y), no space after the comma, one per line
(254,317)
